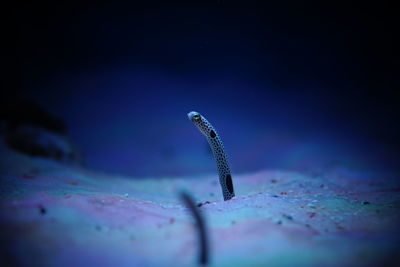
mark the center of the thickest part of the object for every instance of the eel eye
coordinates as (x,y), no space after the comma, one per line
(196,117)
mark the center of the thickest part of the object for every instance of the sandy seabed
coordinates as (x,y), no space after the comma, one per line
(57,215)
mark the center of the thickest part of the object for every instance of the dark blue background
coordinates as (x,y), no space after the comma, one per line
(288,85)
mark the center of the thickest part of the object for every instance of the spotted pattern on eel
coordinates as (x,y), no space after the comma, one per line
(225,177)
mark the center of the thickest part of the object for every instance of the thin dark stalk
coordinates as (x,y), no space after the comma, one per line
(204,249)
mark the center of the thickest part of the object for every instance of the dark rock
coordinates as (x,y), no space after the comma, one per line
(36,141)
(19,111)
(28,128)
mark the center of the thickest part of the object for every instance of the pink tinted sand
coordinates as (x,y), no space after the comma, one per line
(52,214)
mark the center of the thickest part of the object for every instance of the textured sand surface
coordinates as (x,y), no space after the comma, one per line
(56,215)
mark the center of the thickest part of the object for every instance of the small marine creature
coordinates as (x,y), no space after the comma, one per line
(190,204)
(225,177)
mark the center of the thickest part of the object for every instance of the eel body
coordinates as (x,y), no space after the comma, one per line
(225,177)
(201,225)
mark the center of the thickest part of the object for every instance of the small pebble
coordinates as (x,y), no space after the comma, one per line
(288,217)
(340,227)
(312,214)
(42,210)
(311,206)
(201,204)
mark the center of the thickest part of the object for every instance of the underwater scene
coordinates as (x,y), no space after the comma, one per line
(218,133)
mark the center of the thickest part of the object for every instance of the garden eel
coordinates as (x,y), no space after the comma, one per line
(201,225)
(217,148)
